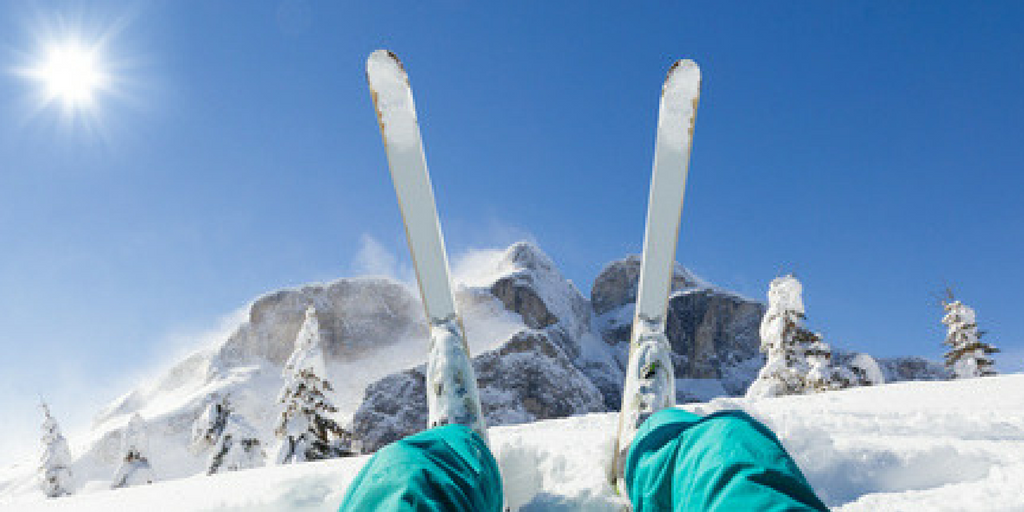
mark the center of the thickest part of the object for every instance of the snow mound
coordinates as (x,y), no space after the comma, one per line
(936,446)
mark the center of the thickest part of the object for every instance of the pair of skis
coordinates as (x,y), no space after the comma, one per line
(451,385)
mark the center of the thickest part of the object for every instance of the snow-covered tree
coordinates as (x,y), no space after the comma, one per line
(237,448)
(207,428)
(792,351)
(865,371)
(55,467)
(135,468)
(820,374)
(305,431)
(232,442)
(798,360)
(968,356)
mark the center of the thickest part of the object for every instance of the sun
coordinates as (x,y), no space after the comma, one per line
(71,73)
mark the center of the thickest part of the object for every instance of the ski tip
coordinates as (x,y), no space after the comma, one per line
(384,65)
(685,67)
(384,55)
(683,78)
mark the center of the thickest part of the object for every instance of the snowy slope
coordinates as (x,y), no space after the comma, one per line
(936,446)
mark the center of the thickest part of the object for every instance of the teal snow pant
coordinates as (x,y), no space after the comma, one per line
(445,468)
(683,462)
(679,462)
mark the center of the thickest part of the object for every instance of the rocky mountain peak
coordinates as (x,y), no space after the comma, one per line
(526,255)
(618,281)
(356,315)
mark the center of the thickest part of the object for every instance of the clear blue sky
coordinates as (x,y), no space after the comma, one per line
(876,149)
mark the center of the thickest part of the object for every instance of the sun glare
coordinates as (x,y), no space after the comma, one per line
(71,73)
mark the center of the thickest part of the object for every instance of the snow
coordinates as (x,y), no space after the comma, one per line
(308,354)
(785,293)
(390,86)
(679,103)
(452,395)
(936,446)
(867,364)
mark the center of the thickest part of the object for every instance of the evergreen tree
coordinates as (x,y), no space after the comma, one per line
(305,431)
(135,468)
(207,428)
(237,448)
(55,468)
(232,442)
(787,345)
(968,356)
(820,374)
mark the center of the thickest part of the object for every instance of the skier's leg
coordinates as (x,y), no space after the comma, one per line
(680,461)
(445,468)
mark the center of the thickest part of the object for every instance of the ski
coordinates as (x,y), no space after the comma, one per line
(650,383)
(452,394)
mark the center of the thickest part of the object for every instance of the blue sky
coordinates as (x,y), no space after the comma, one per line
(874,148)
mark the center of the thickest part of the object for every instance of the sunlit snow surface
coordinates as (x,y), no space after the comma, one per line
(908,446)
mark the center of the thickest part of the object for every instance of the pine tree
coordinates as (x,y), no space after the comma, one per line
(305,431)
(135,468)
(56,460)
(232,442)
(968,356)
(237,448)
(820,374)
(786,344)
(207,428)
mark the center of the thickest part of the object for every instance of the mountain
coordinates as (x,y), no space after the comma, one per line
(540,348)
(535,374)
(713,332)
(569,358)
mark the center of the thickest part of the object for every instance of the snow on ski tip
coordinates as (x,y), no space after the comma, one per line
(682,78)
(679,96)
(392,97)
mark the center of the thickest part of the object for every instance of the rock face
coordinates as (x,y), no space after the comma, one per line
(713,333)
(913,368)
(531,378)
(528,378)
(616,285)
(533,288)
(571,358)
(355,315)
(556,366)
(518,296)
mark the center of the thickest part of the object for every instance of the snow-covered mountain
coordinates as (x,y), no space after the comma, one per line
(542,350)
(953,446)
(537,373)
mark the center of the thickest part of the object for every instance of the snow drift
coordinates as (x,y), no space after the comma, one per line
(936,446)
